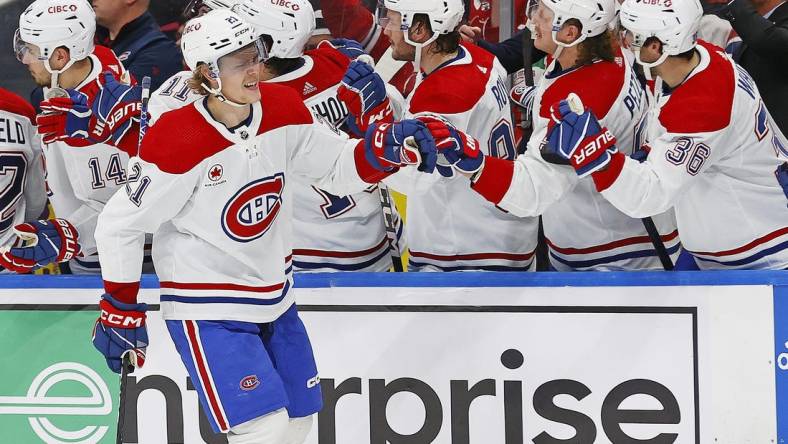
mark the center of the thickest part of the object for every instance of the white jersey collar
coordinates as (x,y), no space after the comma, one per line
(242,135)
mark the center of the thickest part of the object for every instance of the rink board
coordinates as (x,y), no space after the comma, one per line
(444,358)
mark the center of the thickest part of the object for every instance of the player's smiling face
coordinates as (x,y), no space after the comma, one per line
(543,26)
(240,74)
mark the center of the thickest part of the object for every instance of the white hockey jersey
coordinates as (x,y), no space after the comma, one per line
(81,176)
(583,231)
(451,227)
(23,197)
(220,205)
(330,232)
(714,153)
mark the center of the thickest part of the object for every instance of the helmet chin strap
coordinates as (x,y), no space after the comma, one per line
(562,45)
(55,73)
(218,93)
(419,48)
(647,66)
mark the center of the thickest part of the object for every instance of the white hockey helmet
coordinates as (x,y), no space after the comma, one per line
(444,15)
(208,38)
(595,16)
(51,24)
(674,22)
(289,24)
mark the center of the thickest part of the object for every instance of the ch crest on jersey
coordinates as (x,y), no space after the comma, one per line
(250,213)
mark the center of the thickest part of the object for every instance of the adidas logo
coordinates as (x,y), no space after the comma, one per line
(309,88)
(482,69)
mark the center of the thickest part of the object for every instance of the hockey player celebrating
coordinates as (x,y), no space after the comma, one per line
(330,233)
(450,227)
(715,152)
(212,182)
(55,42)
(586,60)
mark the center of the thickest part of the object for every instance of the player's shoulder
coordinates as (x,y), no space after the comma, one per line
(704,102)
(180,140)
(282,106)
(14,104)
(323,70)
(456,88)
(329,58)
(598,85)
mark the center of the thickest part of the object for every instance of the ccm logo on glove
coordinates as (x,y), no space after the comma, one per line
(120,321)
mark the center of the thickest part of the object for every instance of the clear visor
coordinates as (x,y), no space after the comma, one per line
(531,9)
(243,59)
(195,8)
(387,18)
(25,52)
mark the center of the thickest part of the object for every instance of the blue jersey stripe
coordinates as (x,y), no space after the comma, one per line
(225,299)
(342,267)
(747,260)
(614,258)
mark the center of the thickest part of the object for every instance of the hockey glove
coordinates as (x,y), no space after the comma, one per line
(113,111)
(523,96)
(42,242)
(350,48)
(456,149)
(364,93)
(64,117)
(391,145)
(578,137)
(119,330)
(117,106)
(782,177)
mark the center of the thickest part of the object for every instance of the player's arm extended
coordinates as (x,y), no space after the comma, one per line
(526,186)
(334,162)
(674,163)
(151,198)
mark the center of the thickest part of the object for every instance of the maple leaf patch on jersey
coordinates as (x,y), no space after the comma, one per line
(251,212)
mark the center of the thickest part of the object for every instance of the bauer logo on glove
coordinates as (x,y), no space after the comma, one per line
(40,243)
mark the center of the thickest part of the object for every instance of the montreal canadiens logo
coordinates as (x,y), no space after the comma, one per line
(249,383)
(253,209)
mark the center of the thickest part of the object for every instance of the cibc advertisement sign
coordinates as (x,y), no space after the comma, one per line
(467,358)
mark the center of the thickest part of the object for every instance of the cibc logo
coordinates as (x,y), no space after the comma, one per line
(38,404)
(62,8)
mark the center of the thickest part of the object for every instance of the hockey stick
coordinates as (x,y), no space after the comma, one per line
(391,229)
(386,205)
(126,367)
(528,57)
(659,246)
(144,111)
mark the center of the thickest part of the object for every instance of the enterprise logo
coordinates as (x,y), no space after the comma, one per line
(37,405)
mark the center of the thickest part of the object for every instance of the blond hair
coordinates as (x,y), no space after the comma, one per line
(197,80)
